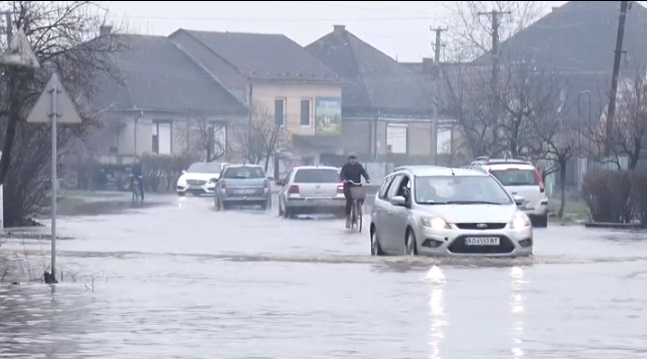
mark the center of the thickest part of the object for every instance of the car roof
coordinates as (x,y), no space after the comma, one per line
(499,161)
(244,165)
(438,171)
(315,168)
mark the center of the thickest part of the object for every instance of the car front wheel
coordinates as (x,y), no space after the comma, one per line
(376,249)
(411,245)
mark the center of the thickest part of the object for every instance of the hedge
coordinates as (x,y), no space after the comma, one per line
(616,196)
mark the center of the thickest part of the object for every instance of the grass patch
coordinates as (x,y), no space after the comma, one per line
(574,212)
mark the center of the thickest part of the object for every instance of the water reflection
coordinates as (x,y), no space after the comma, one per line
(517,310)
(439,320)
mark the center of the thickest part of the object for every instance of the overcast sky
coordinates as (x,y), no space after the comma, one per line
(398,28)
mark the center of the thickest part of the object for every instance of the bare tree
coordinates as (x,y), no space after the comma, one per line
(472,107)
(204,136)
(60,34)
(560,138)
(527,95)
(629,131)
(261,138)
(471,30)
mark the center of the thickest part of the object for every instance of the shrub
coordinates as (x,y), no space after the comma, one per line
(617,196)
(162,171)
(607,195)
(638,181)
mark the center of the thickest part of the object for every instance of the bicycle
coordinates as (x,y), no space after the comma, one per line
(358,195)
(137,195)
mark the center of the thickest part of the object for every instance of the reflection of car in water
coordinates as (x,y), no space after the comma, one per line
(451,212)
(242,185)
(200,178)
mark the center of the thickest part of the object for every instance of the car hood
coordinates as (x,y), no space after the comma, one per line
(198,176)
(472,213)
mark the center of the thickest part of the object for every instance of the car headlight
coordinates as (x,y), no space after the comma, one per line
(435,223)
(181,181)
(520,221)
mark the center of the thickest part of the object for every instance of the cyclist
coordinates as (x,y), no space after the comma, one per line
(353,171)
(137,175)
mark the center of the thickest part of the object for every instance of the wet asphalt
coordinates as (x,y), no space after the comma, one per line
(177,279)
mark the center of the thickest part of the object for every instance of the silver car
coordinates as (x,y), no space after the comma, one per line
(311,189)
(442,211)
(519,177)
(242,185)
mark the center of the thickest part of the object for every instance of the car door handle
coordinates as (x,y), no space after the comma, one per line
(390,213)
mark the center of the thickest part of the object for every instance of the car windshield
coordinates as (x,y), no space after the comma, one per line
(204,167)
(322,175)
(244,172)
(436,190)
(516,177)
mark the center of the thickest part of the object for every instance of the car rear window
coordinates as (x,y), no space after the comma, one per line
(244,172)
(516,177)
(316,176)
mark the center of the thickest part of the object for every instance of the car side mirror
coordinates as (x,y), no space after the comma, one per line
(183,172)
(399,201)
(519,200)
(270,178)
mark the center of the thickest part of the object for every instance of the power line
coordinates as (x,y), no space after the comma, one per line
(276,20)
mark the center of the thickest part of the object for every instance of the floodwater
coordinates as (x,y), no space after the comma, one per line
(179,280)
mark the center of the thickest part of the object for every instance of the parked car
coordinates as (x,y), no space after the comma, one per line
(242,185)
(442,211)
(311,189)
(200,178)
(519,177)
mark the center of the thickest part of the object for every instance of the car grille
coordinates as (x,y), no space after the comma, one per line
(195,182)
(481,226)
(459,246)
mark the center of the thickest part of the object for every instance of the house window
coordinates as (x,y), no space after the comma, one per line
(279,111)
(396,138)
(306,112)
(162,143)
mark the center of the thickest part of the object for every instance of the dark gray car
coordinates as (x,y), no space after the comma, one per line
(242,185)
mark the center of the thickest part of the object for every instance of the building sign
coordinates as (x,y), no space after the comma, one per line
(328,116)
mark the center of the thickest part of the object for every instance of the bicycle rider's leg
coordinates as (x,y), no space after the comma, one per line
(349,203)
(141,188)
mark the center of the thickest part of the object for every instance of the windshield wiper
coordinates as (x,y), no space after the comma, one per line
(474,202)
(430,202)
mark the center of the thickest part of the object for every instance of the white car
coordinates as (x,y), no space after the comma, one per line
(438,211)
(311,189)
(200,178)
(519,177)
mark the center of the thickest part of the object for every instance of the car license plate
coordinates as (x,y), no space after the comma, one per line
(482,241)
(246,191)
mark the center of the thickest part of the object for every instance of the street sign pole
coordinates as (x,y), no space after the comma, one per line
(54,106)
(54,97)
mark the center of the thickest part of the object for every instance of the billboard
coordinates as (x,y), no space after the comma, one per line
(328,116)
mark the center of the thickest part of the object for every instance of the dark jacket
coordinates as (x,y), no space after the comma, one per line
(353,173)
(137,170)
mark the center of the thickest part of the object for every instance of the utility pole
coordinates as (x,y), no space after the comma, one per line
(624,7)
(434,83)
(496,23)
(438,45)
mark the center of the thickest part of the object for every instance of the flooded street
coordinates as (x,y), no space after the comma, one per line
(179,280)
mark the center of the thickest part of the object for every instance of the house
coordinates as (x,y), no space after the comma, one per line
(388,110)
(273,74)
(151,100)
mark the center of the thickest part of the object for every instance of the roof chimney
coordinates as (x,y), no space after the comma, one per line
(105,30)
(339,29)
